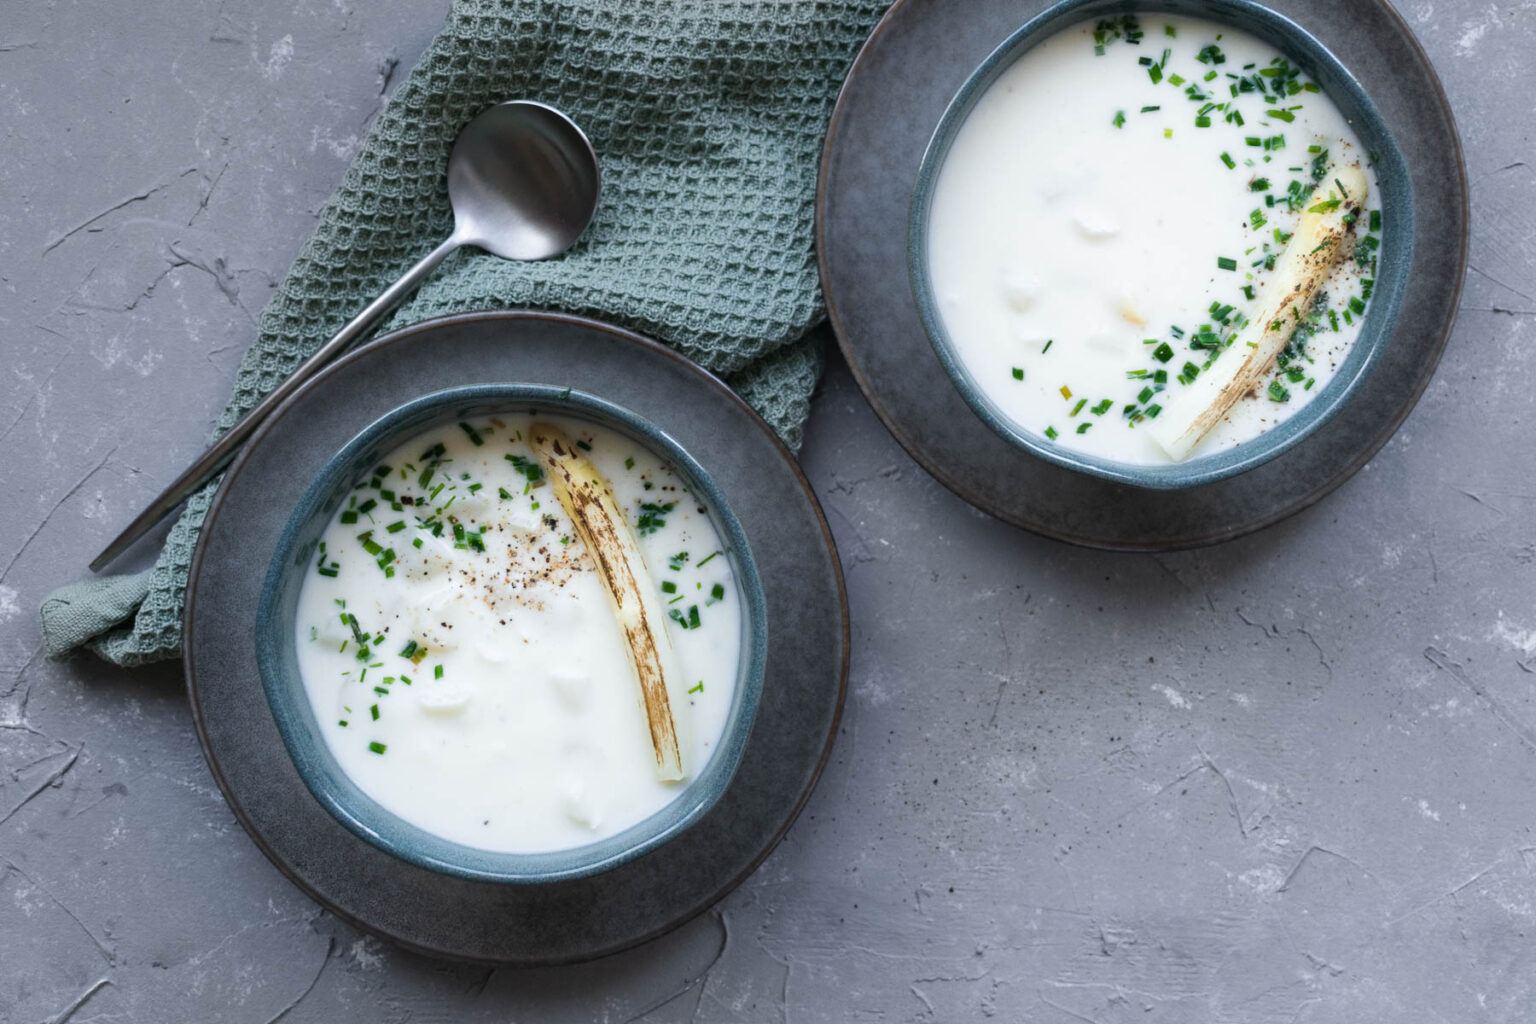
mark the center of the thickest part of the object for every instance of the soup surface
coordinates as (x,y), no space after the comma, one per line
(463,657)
(1109,210)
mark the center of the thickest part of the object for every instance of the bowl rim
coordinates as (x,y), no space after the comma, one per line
(330,785)
(1395,258)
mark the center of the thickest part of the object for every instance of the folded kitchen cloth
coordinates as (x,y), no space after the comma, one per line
(707,116)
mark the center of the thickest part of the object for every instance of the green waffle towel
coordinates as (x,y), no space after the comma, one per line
(708,118)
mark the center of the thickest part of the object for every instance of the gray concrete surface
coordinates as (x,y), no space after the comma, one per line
(1292,779)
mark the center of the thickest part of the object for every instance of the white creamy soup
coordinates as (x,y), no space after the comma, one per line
(1107,213)
(464,659)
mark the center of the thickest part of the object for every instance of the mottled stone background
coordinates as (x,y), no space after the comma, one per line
(1292,779)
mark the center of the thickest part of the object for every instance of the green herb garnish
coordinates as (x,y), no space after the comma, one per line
(653,516)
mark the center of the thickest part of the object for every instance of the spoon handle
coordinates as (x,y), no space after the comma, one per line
(222,451)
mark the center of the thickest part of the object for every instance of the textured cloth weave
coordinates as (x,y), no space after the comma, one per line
(708,118)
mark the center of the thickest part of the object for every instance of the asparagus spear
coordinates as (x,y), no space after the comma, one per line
(1324,237)
(588,499)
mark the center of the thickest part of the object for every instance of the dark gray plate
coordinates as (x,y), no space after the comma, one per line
(912,65)
(438,914)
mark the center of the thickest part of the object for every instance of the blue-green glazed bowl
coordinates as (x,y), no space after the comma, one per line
(1393,261)
(277,649)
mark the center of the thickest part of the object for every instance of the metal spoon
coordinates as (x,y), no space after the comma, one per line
(523,181)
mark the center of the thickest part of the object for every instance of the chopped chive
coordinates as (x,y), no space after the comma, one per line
(1082,428)
(629,463)
(1163,352)
(1226,263)
(1103,407)
(668,587)
(1148,110)
(374,711)
(1119,121)
(437,672)
(1050,432)
(1018,373)
(1079,406)
(1211,55)
(653,516)
(1049,342)
(377,747)
(1375,220)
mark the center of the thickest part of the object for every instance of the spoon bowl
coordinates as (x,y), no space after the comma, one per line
(523,180)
